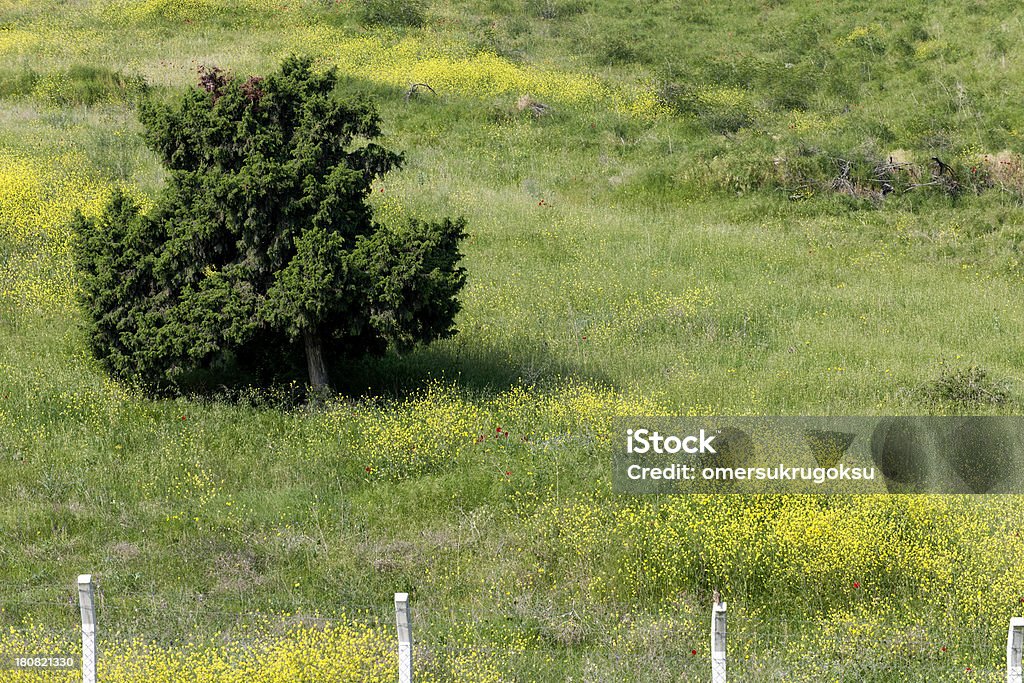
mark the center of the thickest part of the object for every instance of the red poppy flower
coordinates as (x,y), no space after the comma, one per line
(856,584)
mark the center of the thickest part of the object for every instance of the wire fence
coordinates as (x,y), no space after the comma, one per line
(135,632)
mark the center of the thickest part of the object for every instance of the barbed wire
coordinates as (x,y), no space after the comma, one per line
(426,615)
(517,635)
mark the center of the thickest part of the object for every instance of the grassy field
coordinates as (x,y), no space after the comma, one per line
(725,209)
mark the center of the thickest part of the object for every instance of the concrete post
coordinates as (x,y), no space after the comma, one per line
(87,604)
(404,638)
(718,643)
(1014,645)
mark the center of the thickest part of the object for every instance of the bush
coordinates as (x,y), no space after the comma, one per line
(412,13)
(262,247)
(16,83)
(616,50)
(969,387)
(718,109)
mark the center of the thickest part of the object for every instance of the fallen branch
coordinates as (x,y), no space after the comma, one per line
(414,87)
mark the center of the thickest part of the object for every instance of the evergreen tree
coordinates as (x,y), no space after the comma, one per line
(262,245)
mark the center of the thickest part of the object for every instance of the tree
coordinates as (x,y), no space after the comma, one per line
(262,245)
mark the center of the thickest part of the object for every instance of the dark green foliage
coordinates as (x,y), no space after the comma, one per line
(409,271)
(115,259)
(966,388)
(262,241)
(395,13)
(614,49)
(17,82)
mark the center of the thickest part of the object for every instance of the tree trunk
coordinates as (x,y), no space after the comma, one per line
(315,362)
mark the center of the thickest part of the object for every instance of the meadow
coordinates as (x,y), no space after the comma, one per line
(721,209)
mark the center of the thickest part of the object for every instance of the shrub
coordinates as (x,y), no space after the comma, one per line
(262,246)
(616,50)
(15,83)
(396,13)
(719,109)
(969,387)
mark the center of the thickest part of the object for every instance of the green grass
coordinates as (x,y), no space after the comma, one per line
(695,261)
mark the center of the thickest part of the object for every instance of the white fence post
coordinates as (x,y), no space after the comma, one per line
(718,643)
(1014,645)
(404,638)
(88,607)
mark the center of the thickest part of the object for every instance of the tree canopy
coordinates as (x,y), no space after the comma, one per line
(262,246)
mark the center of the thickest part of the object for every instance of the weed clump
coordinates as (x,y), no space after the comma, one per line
(717,109)
(395,13)
(86,84)
(17,82)
(556,9)
(966,387)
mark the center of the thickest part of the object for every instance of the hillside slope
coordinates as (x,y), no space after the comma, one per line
(720,209)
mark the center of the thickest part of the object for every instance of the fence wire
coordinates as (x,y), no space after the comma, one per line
(507,641)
